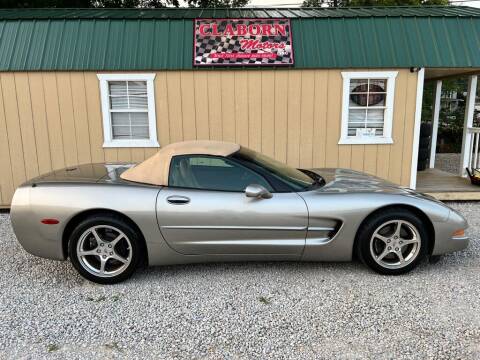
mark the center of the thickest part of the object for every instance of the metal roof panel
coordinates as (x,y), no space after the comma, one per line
(191,13)
(332,38)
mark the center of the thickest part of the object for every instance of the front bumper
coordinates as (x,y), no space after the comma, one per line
(445,242)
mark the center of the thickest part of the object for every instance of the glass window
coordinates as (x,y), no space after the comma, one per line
(212,173)
(368,107)
(293,177)
(128,108)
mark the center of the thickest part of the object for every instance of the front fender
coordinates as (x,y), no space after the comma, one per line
(351,210)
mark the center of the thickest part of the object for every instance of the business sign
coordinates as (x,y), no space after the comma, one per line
(242,42)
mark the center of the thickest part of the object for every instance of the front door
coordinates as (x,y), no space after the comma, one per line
(207,212)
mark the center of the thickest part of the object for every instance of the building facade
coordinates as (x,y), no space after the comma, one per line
(87,86)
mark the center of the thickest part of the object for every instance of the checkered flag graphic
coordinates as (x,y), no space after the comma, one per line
(214,50)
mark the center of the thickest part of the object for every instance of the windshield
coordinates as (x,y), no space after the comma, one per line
(297,179)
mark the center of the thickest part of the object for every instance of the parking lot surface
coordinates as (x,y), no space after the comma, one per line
(242,310)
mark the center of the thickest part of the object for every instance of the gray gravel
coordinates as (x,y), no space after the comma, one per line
(449,162)
(255,310)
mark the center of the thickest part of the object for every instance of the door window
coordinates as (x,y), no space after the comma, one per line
(212,173)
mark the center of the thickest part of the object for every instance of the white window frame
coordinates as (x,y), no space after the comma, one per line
(109,142)
(388,117)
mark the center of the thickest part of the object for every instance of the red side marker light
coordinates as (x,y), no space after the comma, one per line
(49,221)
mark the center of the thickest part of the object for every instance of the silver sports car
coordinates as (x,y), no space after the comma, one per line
(205,201)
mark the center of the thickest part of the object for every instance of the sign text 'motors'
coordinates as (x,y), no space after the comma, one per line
(227,42)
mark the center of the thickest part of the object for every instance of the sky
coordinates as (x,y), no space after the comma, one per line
(293,3)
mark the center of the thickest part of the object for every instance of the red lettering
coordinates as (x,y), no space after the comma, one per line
(229,30)
(254,29)
(234,29)
(203,29)
(266,29)
(280,29)
(241,29)
(215,30)
(248,44)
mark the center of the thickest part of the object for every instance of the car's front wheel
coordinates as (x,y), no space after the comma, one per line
(104,249)
(392,242)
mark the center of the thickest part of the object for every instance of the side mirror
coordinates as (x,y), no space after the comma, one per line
(257,191)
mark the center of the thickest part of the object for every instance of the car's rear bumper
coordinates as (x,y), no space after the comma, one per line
(40,241)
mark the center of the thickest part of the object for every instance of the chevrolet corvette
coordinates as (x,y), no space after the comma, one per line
(204,201)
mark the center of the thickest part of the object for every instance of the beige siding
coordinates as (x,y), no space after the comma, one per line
(52,120)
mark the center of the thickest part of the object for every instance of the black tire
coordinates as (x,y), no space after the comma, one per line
(425,129)
(371,224)
(425,143)
(112,223)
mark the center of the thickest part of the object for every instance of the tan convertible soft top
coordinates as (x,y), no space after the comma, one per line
(154,170)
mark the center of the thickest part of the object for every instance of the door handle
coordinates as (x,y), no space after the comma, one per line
(178,200)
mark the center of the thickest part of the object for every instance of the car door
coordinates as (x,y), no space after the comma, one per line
(204,210)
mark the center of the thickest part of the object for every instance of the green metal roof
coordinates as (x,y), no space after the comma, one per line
(139,39)
(192,13)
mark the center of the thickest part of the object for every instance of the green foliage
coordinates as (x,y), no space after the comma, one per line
(313,3)
(344,3)
(98,299)
(218,3)
(452,112)
(119,3)
(265,300)
(52,347)
(133,3)
(396,2)
(45,3)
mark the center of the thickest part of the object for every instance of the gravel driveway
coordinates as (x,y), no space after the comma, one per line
(255,310)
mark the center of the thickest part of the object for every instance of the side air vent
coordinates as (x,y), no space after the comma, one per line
(321,235)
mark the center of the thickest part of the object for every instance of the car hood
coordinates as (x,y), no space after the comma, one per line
(350,181)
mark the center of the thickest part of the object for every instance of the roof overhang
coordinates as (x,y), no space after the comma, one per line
(445,73)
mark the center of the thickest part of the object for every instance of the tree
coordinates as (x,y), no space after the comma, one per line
(344,3)
(321,3)
(133,3)
(44,3)
(395,2)
(87,3)
(119,3)
(452,112)
(218,3)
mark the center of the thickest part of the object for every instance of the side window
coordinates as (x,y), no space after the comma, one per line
(212,173)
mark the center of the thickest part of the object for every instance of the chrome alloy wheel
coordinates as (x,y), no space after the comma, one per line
(395,244)
(104,251)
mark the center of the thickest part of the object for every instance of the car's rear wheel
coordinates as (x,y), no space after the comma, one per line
(392,242)
(104,249)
